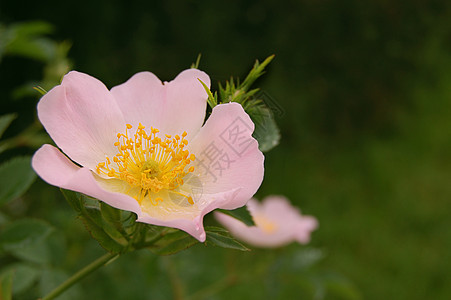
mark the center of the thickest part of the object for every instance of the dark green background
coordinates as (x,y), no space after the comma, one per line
(365,88)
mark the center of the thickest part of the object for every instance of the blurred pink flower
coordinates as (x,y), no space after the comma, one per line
(277,223)
(141,147)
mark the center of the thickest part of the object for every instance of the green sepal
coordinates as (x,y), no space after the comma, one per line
(266,131)
(220,237)
(40,89)
(212,99)
(172,242)
(112,223)
(74,199)
(89,213)
(195,65)
(240,92)
(91,222)
(241,214)
(256,72)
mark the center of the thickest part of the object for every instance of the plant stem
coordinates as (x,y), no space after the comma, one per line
(153,240)
(101,261)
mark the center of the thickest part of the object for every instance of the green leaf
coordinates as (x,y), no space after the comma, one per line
(6,283)
(37,252)
(266,131)
(241,214)
(223,239)
(110,214)
(48,250)
(5,121)
(51,278)
(98,233)
(16,176)
(28,39)
(25,239)
(216,229)
(90,214)
(24,232)
(173,242)
(24,276)
(74,199)
(56,245)
(32,28)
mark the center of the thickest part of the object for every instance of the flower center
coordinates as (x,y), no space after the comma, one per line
(266,225)
(149,164)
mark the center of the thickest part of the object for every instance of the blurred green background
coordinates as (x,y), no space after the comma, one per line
(365,92)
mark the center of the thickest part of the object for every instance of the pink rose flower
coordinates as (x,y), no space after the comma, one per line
(277,223)
(141,147)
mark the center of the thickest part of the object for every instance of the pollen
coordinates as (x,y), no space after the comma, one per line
(149,164)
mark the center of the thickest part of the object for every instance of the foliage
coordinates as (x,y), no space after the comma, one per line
(364,89)
(16,176)
(259,108)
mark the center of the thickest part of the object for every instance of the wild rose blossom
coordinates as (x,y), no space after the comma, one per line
(277,223)
(141,147)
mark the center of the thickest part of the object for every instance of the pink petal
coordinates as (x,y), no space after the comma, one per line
(305,228)
(172,107)
(290,219)
(82,118)
(287,224)
(190,220)
(192,227)
(253,235)
(227,156)
(54,168)
(278,208)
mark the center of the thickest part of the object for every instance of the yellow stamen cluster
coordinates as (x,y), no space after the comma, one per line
(149,164)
